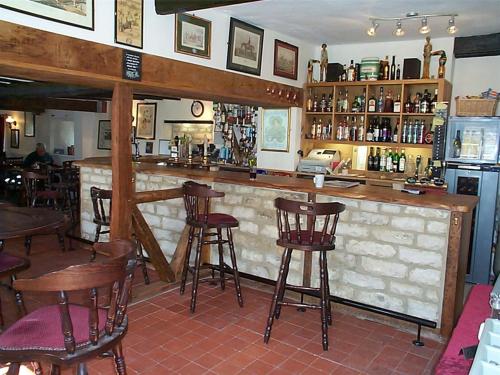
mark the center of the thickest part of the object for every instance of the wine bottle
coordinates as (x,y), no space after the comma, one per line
(457,145)
(393,68)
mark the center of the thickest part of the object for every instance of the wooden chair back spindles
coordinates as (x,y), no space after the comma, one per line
(32,182)
(197,202)
(98,197)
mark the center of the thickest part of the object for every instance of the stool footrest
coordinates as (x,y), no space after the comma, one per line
(298,304)
(215,242)
(297,288)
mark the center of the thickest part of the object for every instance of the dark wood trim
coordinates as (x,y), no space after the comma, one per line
(39,105)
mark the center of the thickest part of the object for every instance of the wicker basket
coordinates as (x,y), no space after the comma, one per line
(476,107)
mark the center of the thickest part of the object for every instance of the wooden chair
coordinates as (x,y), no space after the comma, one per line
(311,227)
(197,202)
(66,334)
(102,218)
(10,266)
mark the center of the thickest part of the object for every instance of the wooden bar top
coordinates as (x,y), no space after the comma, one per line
(451,202)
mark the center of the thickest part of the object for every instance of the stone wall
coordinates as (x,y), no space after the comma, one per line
(387,255)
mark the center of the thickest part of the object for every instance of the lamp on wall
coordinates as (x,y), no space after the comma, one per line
(11,122)
(423,18)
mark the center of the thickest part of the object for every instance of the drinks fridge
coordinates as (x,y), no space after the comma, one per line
(472,168)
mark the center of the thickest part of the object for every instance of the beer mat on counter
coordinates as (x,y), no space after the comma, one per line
(341,184)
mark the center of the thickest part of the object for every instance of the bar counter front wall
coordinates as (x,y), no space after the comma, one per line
(393,250)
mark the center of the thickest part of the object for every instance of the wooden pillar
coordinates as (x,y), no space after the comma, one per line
(121,162)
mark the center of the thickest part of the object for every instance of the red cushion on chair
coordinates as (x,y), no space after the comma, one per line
(9,262)
(48,194)
(41,329)
(219,219)
(305,238)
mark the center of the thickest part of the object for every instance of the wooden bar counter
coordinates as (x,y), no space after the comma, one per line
(397,251)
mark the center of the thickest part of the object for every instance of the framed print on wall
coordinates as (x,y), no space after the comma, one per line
(14,138)
(192,35)
(286,58)
(145,121)
(29,124)
(275,130)
(129,19)
(104,135)
(244,53)
(71,12)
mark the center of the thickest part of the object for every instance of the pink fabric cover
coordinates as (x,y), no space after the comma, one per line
(476,310)
(305,238)
(219,219)
(41,329)
(8,262)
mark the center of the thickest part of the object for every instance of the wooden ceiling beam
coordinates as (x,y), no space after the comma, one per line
(45,56)
(39,105)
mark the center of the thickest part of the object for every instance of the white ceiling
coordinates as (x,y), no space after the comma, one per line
(346,21)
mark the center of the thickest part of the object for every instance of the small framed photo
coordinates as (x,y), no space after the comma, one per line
(244,53)
(192,35)
(286,57)
(164,147)
(149,147)
(14,138)
(275,130)
(145,121)
(129,19)
(104,135)
(29,124)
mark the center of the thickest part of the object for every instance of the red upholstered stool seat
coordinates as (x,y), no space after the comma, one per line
(11,262)
(219,220)
(41,329)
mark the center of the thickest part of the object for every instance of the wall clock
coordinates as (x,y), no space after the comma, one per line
(197,108)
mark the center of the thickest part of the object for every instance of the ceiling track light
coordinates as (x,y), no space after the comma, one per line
(399,29)
(424,23)
(371,31)
(452,29)
(424,29)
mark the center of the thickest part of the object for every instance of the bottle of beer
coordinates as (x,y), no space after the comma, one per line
(402,162)
(376,160)
(371,160)
(395,161)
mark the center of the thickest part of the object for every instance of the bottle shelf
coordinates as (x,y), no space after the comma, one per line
(418,114)
(319,113)
(365,143)
(383,113)
(419,82)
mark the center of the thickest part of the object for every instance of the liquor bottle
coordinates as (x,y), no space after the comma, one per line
(386,68)
(395,133)
(313,128)
(369,132)
(319,129)
(344,74)
(376,131)
(457,145)
(388,160)
(362,104)
(402,162)
(416,102)
(380,101)
(346,101)
(351,72)
(370,160)
(328,133)
(389,130)
(395,161)
(372,104)
(425,103)
(223,116)
(393,68)
(315,103)
(330,103)
(389,102)
(340,131)
(346,129)
(404,133)
(434,101)
(409,135)
(421,132)
(355,106)
(416,130)
(408,105)
(376,160)
(383,160)
(323,103)
(353,133)
(361,129)
(383,136)
(340,102)
(309,105)
(397,104)
(398,73)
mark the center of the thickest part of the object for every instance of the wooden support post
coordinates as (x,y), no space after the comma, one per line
(121,161)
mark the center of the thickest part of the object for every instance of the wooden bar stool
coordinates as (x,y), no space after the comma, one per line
(305,226)
(197,201)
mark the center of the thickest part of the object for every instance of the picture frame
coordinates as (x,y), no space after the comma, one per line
(79,15)
(29,124)
(129,22)
(149,148)
(286,58)
(145,121)
(164,147)
(104,135)
(14,138)
(275,129)
(193,35)
(244,53)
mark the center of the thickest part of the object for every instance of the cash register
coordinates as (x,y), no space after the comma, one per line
(319,160)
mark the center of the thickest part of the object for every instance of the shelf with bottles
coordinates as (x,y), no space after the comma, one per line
(319,100)
(319,113)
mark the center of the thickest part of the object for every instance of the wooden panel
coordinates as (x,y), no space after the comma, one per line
(121,161)
(39,105)
(157,195)
(40,55)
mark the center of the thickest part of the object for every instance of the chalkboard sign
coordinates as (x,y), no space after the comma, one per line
(132,65)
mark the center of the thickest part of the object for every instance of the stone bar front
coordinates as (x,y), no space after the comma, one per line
(393,250)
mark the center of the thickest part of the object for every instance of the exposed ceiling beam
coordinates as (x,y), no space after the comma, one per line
(39,105)
(176,6)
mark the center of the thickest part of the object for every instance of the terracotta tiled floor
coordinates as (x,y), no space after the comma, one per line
(222,338)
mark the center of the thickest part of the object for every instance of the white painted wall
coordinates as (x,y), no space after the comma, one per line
(159,37)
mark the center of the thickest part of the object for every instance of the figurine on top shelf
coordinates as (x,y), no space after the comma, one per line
(323,63)
(310,68)
(427,58)
(442,62)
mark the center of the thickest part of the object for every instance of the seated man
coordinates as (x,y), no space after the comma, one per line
(38,156)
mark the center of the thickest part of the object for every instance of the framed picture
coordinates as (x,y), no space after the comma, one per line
(192,35)
(275,130)
(145,121)
(286,57)
(71,12)
(14,138)
(164,147)
(129,16)
(244,53)
(104,135)
(149,147)
(29,124)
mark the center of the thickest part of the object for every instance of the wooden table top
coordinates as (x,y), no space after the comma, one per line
(23,221)
(451,202)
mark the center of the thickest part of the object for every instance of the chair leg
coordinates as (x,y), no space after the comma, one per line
(27,244)
(236,275)
(329,302)
(60,238)
(285,258)
(37,368)
(96,239)
(282,291)
(19,299)
(221,259)
(81,369)
(14,369)
(119,360)
(55,370)
(197,264)
(1,315)
(186,260)
(324,303)
(142,261)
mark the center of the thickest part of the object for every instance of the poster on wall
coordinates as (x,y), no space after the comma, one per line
(104,135)
(29,124)
(146,120)
(71,12)
(244,53)
(129,15)
(275,130)
(192,35)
